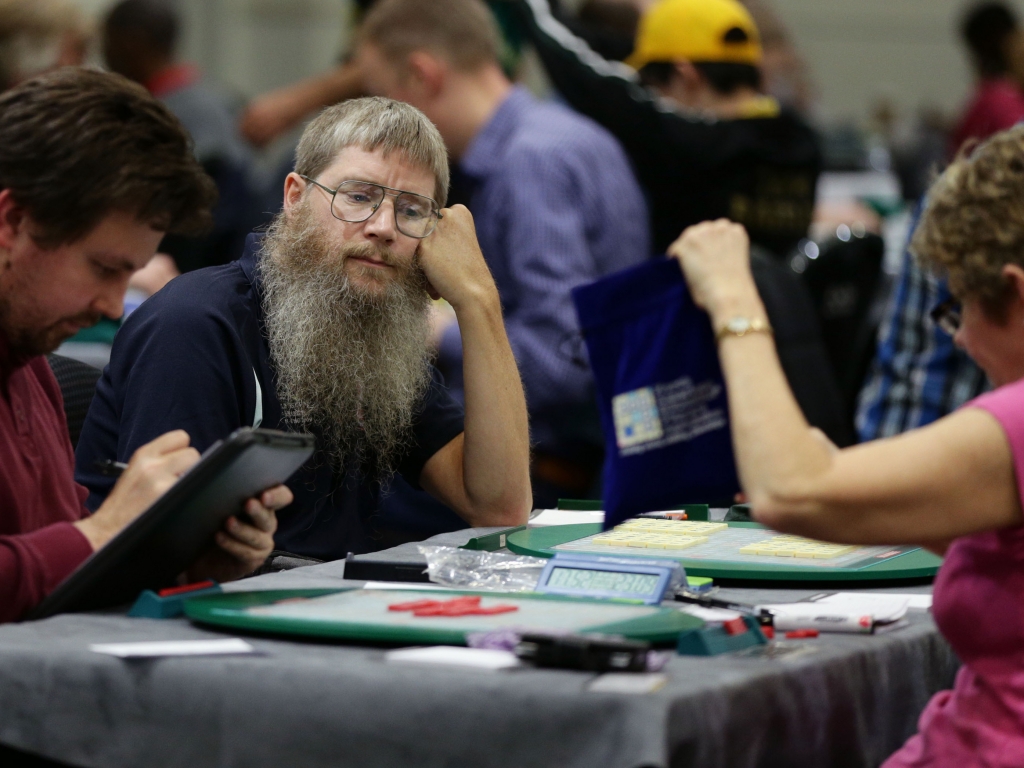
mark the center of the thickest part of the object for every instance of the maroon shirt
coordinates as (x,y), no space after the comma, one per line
(39,498)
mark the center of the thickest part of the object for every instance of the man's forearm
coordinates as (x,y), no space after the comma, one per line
(496,460)
(342,82)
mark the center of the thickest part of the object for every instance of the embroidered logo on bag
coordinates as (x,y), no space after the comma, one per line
(636,418)
(665,414)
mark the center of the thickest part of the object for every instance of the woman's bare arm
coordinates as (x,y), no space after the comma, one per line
(928,486)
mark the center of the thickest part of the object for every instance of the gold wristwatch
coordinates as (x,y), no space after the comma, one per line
(741,326)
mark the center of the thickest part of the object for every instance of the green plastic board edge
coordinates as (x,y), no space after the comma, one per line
(581,505)
(492,541)
(919,564)
(694,511)
(228,610)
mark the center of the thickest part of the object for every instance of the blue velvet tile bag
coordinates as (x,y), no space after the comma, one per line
(660,392)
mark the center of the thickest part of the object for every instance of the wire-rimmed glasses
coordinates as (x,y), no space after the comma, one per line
(355,201)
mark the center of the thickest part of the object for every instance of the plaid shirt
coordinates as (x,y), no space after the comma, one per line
(918,374)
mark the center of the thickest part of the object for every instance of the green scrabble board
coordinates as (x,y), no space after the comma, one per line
(362,614)
(718,555)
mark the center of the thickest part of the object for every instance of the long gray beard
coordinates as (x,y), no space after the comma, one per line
(352,365)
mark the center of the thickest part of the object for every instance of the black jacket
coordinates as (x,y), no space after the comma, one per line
(760,171)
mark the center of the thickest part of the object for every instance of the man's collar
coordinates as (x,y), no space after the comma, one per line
(9,363)
(484,153)
(249,262)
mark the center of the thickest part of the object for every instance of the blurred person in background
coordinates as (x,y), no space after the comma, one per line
(37,36)
(555,202)
(996,47)
(609,27)
(139,41)
(707,143)
(272,114)
(704,139)
(919,375)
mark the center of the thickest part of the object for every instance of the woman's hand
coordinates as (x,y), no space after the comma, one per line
(715,259)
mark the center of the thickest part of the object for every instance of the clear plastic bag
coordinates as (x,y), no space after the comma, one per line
(472,569)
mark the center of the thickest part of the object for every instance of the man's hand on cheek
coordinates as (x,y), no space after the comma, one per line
(453,263)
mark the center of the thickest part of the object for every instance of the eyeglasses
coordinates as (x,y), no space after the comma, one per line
(356,201)
(946,315)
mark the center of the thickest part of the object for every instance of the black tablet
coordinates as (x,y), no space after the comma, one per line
(165,539)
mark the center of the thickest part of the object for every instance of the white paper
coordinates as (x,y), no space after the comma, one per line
(628,682)
(405,585)
(457,656)
(710,615)
(148,650)
(916,602)
(881,606)
(565,517)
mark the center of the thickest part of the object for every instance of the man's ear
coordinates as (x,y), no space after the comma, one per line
(294,186)
(13,220)
(426,73)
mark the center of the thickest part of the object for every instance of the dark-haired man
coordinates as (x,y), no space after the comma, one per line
(323,325)
(93,171)
(705,141)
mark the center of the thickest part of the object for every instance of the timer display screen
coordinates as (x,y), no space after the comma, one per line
(603,581)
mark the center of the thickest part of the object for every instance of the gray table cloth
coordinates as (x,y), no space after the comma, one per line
(846,701)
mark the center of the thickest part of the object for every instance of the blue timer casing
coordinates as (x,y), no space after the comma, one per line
(661,576)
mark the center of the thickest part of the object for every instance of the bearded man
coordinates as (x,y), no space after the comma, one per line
(323,325)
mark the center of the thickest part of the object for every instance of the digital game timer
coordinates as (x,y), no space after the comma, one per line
(581,575)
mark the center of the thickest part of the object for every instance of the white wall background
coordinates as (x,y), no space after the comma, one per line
(858,50)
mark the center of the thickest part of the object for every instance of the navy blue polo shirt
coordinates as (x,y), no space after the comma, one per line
(190,358)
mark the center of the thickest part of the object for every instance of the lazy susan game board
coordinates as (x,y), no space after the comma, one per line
(735,551)
(371,615)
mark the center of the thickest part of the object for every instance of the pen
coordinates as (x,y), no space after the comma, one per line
(711,602)
(109,467)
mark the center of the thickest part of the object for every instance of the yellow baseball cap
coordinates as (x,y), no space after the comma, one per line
(696,30)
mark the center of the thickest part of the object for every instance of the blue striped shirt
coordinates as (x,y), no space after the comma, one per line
(918,374)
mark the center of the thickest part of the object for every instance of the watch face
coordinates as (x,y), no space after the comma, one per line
(739,325)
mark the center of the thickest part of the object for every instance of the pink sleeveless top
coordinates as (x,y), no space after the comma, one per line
(979,607)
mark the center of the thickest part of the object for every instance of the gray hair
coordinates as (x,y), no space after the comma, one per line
(374,123)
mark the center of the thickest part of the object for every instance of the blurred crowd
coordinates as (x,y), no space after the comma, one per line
(661,114)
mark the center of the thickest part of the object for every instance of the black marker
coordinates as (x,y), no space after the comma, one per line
(109,467)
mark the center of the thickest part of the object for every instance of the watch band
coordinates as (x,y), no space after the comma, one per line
(741,326)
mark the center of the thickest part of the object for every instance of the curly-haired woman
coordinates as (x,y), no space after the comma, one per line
(954,487)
